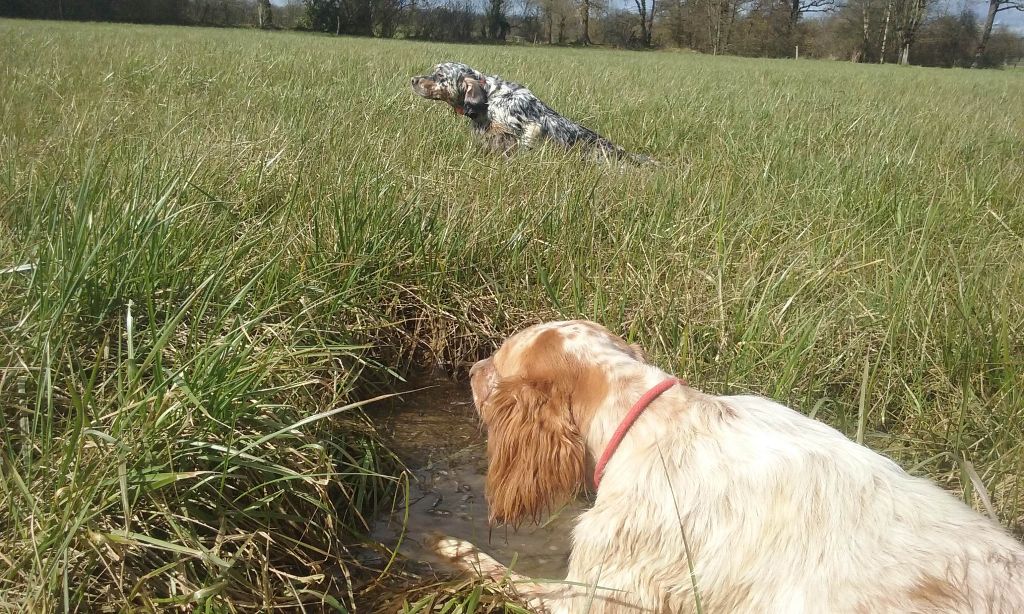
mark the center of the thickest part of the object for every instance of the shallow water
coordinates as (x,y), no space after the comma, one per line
(437,434)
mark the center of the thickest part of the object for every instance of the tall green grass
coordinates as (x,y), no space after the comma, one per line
(230,232)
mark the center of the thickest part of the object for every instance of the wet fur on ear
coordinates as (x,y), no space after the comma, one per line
(476,93)
(535,452)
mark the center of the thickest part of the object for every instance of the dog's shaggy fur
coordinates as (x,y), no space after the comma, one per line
(734,501)
(506,115)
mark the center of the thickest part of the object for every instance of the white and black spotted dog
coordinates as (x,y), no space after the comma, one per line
(506,115)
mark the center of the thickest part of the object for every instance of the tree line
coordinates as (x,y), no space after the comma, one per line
(925,32)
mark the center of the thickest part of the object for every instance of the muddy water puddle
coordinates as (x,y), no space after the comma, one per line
(437,435)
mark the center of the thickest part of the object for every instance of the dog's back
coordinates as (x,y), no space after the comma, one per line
(783,514)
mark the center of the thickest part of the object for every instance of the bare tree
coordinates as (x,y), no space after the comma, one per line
(885,31)
(646,21)
(865,45)
(289,14)
(585,8)
(496,23)
(556,14)
(798,8)
(264,14)
(387,16)
(913,14)
(721,16)
(994,7)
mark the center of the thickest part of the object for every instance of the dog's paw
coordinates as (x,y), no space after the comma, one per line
(465,556)
(450,548)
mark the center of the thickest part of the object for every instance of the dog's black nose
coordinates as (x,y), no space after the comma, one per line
(415,80)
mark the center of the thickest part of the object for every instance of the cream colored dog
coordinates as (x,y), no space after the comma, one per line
(733,505)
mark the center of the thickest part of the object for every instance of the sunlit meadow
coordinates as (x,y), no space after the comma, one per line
(214,243)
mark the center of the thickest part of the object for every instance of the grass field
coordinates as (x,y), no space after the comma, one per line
(232,235)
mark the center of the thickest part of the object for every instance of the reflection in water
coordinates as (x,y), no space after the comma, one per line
(437,434)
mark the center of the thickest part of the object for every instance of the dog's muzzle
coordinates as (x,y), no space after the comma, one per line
(417,86)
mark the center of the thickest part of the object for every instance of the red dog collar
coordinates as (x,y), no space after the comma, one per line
(634,413)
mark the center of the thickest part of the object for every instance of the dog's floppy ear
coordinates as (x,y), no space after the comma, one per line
(535,452)
(476,93)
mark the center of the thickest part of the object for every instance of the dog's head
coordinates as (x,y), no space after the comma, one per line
(537,396)
(457,84)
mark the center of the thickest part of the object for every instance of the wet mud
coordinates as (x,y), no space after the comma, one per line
(437,435)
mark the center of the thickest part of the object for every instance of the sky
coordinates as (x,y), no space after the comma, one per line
(1011,18)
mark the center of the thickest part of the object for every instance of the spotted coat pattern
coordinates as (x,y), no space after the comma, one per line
(506,115)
